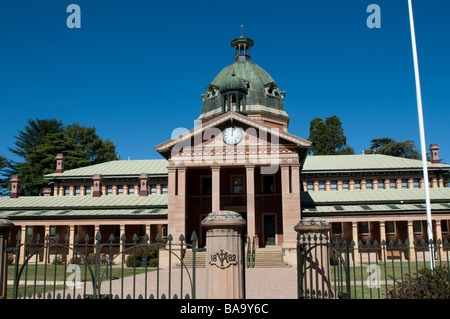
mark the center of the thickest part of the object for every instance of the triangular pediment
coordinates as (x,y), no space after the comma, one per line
(260,143)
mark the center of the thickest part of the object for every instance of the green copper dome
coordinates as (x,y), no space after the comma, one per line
(262,93)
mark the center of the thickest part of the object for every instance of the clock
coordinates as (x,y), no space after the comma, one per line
(232,135)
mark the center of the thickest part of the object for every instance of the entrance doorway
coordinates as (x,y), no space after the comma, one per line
(269,229)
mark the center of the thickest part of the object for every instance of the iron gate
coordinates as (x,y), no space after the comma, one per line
(323,267)
(93,269)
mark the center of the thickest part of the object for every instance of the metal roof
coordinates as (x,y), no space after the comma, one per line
(362,197)
(371,162)
(83,202)
(373,209)
(83,213)
(117,168)
(317,164)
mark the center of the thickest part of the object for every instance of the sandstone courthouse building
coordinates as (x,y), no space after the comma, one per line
(240,157)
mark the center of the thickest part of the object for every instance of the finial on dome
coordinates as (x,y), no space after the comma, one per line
(242,46)
(242,35)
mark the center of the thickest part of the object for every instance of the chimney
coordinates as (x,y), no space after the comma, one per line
(59,163)
(143,189)
(16,182)
(434,150)
(97,190)
(47,192)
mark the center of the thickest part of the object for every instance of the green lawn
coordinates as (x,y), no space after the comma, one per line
(58,273)
(373,281)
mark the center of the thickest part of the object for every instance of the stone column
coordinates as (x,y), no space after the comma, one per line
(250,180)
(356,241)
(5,228)
(23,241)
(224,255)
(215,188)
(412,254)
(314,265)
(71,241)
(382,238)
(175,215)
(440,253)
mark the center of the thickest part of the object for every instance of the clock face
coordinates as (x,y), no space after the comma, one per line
(232,135)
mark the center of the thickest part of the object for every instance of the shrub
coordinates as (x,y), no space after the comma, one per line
(427,284)
(140,255)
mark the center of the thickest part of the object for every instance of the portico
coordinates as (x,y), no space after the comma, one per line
(258,177)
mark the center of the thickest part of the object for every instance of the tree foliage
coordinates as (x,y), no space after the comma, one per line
(389,146)
(40,141)
(328,137)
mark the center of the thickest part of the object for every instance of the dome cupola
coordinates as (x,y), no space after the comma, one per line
(244,87)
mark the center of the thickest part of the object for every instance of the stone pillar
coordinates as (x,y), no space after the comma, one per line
(439,253)
(250,180)
(412,251)
(224,255)
(71,234)
(290,197)
(382,238)
(5,228)
(215,188)
(356,241)
(314,232)
(23,241)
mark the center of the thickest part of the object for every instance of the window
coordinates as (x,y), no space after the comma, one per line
(416,183)
(130,189)
(321,185)
(363,227)
(87,190)
(404,183)
(357,185)
(417,226)
(390,227)
(381,184)
(392,183)
(66,191)
(120,190)
(369,184)
(238,185)
(268,184)
(153,189)
(109,190)
(206,185)
(310,186)
(345,185)
(164,188)
(77,190)
(333,185)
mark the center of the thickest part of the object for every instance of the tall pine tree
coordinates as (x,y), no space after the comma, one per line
(328,137)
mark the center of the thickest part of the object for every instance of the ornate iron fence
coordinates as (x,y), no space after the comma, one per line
(372,270)
(92,268)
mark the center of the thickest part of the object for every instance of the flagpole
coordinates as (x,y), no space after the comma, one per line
(422,133)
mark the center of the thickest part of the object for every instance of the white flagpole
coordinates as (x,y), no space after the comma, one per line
(422,133)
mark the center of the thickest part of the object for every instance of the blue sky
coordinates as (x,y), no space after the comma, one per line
(135,69)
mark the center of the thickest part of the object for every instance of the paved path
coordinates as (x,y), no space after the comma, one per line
(261,283)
